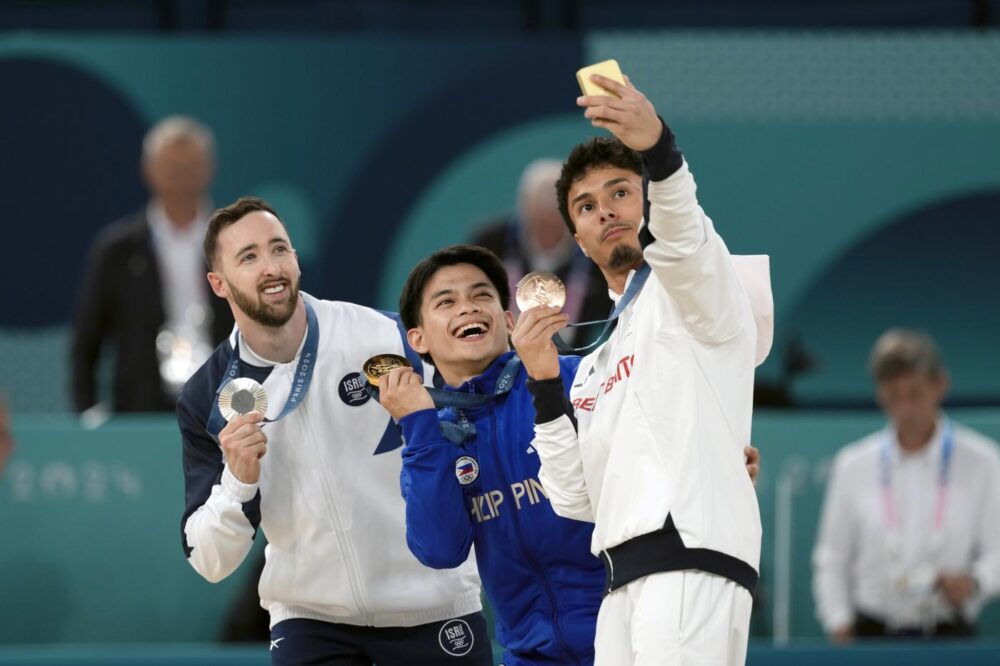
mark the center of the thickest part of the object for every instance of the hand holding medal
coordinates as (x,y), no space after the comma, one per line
(401,390)
(540,296)
(243,402)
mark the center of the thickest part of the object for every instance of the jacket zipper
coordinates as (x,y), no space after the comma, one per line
(346,553)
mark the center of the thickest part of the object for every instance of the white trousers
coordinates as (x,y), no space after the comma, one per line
(677,618)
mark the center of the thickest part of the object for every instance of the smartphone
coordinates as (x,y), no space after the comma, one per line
(608,68)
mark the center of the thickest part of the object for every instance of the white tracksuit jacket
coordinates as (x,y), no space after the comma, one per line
(663,407)
(328,499)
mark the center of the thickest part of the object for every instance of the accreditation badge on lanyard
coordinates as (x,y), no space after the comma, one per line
(915,582)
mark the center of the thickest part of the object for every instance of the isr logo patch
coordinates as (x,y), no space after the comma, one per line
(353,389)
(455,638)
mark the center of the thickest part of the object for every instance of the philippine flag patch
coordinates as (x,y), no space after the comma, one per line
(466,470)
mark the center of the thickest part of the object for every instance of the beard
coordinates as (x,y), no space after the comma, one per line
(274,315)
(624,256)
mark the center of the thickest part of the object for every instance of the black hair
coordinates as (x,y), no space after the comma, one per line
(412,296)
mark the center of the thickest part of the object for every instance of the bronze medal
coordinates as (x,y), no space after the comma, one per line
(543,289)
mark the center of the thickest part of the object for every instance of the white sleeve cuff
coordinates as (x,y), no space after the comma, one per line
(235,489)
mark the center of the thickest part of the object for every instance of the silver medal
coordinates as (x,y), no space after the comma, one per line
(242,396)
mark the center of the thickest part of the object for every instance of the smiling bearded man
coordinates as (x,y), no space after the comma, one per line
(326,465)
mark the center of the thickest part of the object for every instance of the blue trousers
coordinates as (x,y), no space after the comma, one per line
(462,641)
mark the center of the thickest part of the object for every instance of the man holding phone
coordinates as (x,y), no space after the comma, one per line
(649,444)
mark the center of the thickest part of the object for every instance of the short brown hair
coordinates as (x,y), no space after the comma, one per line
(900,352)
(231,214)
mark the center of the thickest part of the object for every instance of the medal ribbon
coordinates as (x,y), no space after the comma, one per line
(463,429)
(505,382)
(442,398)
(300,384)
(638,280)
(458,432)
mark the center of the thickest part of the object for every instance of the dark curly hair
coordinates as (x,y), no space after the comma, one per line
(595,152)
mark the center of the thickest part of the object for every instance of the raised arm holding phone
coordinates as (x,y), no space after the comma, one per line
(649,445)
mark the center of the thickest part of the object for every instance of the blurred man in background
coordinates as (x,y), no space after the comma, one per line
(908,542)
(144,292)
(534,238)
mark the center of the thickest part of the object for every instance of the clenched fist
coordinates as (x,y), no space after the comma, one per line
(532,338)
(629,116)
(244,444)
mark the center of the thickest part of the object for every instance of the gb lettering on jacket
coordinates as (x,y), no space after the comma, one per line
(622,371)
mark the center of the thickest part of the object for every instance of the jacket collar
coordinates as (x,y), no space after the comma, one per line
(481,384)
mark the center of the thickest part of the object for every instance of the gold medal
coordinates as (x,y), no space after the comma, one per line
(242,396)
(540,289)
(377,366)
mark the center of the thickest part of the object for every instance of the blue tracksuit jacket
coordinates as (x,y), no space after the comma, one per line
(537,570)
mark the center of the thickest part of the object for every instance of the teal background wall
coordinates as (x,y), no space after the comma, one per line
(378,151)
(804,146)
(338,133)
(91,548)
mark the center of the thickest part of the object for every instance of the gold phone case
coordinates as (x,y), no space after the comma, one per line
(608,68)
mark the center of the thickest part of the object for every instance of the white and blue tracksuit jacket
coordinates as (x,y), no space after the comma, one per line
(328,496)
